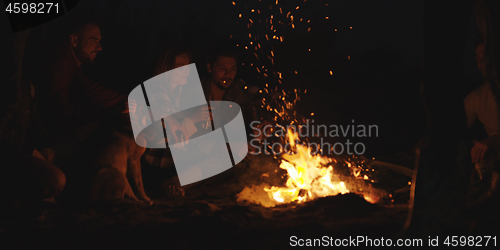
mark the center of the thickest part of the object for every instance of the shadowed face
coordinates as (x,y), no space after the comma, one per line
(179,77)
(223,71)
(86,44)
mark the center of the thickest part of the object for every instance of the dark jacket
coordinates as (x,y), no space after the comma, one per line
(71,99)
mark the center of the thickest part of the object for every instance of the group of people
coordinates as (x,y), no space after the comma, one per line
(49,116)
(60,122)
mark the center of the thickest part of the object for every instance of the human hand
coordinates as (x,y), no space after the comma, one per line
(38,155)
(202,115)
(173,126)
(478,151)
(46,154)
(131,107)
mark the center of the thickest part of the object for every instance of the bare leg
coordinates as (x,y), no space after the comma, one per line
(52,179)
(134,168)
(30,178)
(110,184)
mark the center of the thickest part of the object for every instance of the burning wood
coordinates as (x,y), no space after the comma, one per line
(309,177)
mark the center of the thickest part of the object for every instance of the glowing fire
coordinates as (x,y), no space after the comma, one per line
(309,177)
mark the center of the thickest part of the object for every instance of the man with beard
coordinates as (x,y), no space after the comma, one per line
(72,101)
(222,68)
(220,85)
(95,146)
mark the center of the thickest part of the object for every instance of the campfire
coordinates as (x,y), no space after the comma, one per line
(309,175)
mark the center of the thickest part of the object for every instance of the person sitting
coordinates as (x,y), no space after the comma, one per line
(72,102)
(221,84)
(169,96)
(482,115)
(90,121)
(28,170)
(481,106)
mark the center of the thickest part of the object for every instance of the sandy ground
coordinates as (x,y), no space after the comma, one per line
(208,216)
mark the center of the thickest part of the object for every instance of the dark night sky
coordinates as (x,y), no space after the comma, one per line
(392,25)
(143,28)
(147,25)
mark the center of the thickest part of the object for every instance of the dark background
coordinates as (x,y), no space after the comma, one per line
(376,66)
(380,84)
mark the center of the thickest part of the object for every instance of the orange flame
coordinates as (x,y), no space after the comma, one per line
(309,177)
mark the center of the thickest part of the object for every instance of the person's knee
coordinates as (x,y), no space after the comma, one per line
(59,181)
(56,182)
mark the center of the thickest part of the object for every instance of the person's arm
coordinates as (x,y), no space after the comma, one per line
(58,99)
(480,148)
(64,82)
(470,114)
(163,107)
(491,125)
(256,132)
(103,96)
